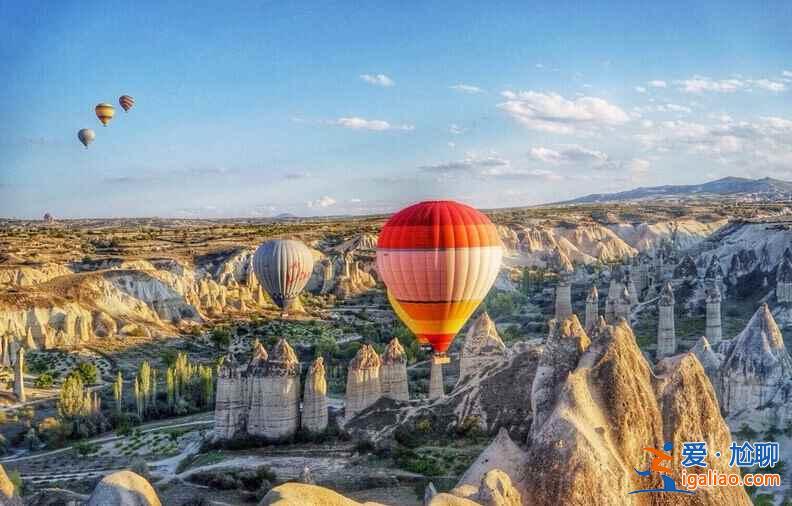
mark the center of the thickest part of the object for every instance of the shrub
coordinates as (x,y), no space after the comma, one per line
(45,380)
(87,372)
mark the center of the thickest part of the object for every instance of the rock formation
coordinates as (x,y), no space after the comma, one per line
(124,488)
(756,373)
(314,414)
(353,280)
(622,305)
(502,453)
(666,333)
(230,402)
(610,408)
(482,346)
(784,282)
(710,360)
(714,330)
(19,376)
(393,374)
(363,381)
(564,345)
(563,299)
(592,307)
(279,413)
(436,389)
(301,494)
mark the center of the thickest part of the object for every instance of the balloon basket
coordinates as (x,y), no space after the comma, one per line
(440,359)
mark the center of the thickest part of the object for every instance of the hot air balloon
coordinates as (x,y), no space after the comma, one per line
(86,136)
(283,267)
(105,113)
(126,102)
(438,259)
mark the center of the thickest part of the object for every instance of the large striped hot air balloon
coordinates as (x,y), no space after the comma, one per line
(105,112)
(438,259)
(86,136)
(126,102)
(283,267)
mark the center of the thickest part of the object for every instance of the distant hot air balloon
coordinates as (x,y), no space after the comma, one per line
(86,136)
(438,259)
(126,102)
(105,113)
(283,267)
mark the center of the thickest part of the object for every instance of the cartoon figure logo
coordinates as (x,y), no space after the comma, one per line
(669,485)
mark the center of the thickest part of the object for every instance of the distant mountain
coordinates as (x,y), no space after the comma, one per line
(737,188)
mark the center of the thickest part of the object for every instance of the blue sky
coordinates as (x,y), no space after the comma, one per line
(259,108)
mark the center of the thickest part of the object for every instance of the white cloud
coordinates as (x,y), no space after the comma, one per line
(640,89)
(455,129)
(539,65)
(787,73)
(357,123)
(471,164)
(550,112)
(514,173)
(767,84)
(657,83)
(378,80)
(324,201)
(568,154)
(638,166)
(466,88)
(699,84)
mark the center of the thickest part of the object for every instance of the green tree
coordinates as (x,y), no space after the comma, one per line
(87,371)
(118,393)
(71,402)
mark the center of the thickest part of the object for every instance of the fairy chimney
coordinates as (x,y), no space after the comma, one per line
(314,415)
(393,374)
(275,399)
(666,333)
(363,381)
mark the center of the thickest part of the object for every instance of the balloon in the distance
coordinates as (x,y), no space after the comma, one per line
(105,112)
(126,102)
(86,136)
(438,259)
(283,267)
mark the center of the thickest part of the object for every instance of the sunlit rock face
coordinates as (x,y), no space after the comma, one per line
(278,394)
(314,414)
(611,406)
(709,358)
(482,346)
(230,403)
(363,381)
(666,331)
(756,375)
(592,307)
(393,374)
(564,345)
(714,330)
(124,488)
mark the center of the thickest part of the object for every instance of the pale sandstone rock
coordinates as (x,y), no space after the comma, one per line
(301,494)
(124,488)
(592,307)
(482,346)
(436,389)
(279,395)
(230,402)
(363,381)
(756,375)
(19,378)
(562,351)
(393,373)
(314,414)
(666,333)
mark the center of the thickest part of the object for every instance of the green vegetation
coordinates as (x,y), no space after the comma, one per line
(87,372)
(44,380)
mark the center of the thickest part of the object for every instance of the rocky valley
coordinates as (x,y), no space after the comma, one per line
(144,362)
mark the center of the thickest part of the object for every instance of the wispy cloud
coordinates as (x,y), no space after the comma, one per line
(568,154)
(296,175)
(322,202)
(550,112)
(466,88)
(657,83)
(701,84)
(378,80)
(357,123)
